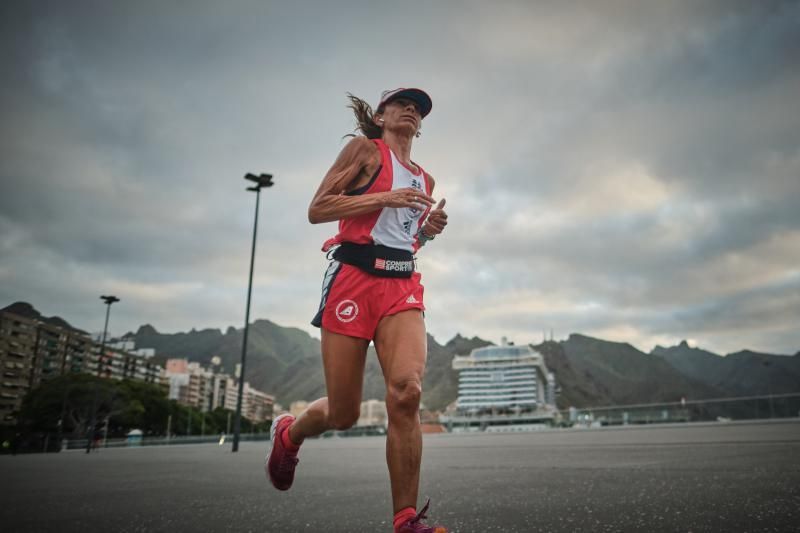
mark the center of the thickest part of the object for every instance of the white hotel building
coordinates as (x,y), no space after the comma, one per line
(502,387)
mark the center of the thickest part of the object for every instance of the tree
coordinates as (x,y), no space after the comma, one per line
(64,405)
(62,408)
(148,407)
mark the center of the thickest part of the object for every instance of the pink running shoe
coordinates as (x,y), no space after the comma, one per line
(280,462)
(414,525)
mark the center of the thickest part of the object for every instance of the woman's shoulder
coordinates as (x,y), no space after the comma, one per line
(360,148)
(360,142)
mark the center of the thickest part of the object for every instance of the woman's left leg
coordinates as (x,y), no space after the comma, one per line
(402,347)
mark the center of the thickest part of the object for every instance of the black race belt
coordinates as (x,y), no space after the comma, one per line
(376,259)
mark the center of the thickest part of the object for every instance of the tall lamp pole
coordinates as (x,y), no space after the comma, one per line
(263,180)
(90,433)
(769,389)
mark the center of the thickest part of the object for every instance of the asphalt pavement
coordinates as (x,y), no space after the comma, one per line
(725,477)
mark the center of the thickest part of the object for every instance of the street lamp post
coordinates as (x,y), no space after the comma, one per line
(264,180)
(90,433)
(769,389)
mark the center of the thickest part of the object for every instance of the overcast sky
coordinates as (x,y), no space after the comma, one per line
(626,170)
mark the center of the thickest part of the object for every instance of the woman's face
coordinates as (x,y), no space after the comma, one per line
(402,114)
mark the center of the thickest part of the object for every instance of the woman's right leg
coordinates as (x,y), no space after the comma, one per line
(343,359)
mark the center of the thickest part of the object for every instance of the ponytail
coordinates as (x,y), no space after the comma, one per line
(364,119)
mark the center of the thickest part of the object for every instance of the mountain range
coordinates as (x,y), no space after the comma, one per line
(589,371)
(26,310)
(286,362)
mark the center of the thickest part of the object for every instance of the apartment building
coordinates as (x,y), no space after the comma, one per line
(33,351)
(373,413)
(117,364)
(17,346)
(196,386)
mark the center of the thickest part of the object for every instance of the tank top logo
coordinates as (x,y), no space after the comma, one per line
(413,214)
(346,311)
(395,227)
(417,184)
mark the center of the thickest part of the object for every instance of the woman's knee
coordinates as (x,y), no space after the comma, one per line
(403,397)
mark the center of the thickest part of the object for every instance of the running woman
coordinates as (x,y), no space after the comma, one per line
(371,292)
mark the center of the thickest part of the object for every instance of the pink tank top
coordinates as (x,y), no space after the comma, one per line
(395,227)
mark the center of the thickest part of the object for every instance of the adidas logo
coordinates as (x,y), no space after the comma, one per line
(412,300)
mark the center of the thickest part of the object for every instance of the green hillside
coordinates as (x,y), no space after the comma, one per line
(286,361)
(589,372)
(620,374)
(744,373)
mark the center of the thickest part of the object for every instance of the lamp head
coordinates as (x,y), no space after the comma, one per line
(262,180)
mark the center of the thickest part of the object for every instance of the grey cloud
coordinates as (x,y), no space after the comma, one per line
(748,309)
(127,127)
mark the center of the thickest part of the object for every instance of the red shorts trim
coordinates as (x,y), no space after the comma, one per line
(357,301)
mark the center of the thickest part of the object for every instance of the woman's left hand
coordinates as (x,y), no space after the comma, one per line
(436,221)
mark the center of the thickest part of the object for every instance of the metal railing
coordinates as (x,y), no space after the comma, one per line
(772,406)
(161,440)
(705,410)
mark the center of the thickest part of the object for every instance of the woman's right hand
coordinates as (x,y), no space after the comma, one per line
(407,197)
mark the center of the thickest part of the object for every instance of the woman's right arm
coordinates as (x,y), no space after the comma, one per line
(357,161)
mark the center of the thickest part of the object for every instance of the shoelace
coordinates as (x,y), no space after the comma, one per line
(421,515)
